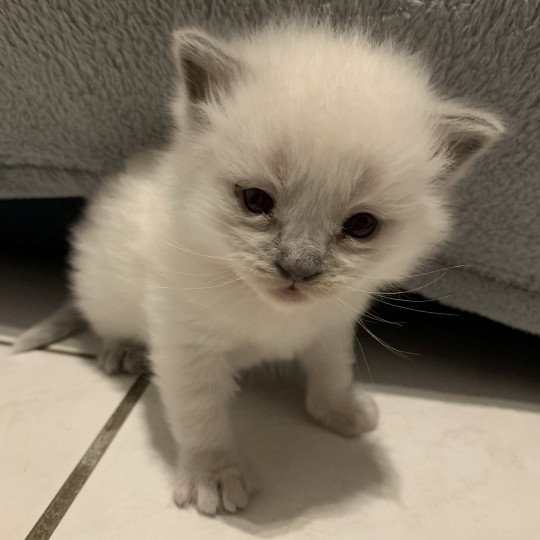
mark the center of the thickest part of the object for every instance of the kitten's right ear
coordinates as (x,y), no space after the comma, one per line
(204,63)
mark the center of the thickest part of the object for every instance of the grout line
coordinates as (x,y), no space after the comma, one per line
(52,349)
(60,504)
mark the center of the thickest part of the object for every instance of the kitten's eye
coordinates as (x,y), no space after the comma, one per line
(257,201)
(361,225)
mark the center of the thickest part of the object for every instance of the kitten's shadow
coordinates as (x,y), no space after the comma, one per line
(301,467)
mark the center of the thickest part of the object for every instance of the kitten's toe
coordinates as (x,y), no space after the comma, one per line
(223,490)
(207,497)
(183,491)
(355,415)
(235,491)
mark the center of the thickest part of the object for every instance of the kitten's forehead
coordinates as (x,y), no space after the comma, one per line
(310,170)
(318,114)
(297,135)
(324,187)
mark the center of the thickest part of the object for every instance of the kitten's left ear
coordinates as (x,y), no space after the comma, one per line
(204,63)
(465,134)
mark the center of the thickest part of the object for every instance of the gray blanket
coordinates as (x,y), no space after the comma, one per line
(83,84)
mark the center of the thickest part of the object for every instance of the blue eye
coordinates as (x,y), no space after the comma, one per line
(360,226)
(257,201)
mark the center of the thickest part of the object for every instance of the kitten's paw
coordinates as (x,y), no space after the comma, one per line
(223,490)
(123,357)
(350,417)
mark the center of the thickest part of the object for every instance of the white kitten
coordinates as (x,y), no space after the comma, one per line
(309,168)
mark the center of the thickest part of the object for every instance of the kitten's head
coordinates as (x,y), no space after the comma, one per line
(320,162)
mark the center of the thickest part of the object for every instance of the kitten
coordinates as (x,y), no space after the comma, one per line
(309,167)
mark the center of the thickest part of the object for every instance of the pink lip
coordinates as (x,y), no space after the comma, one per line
(290,293)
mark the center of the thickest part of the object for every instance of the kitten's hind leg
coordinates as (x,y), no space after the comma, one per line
(123,356)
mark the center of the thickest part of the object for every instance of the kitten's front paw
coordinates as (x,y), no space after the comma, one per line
(350,417)
(225,489)
(123,357)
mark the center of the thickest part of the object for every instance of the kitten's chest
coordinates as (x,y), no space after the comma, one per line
(274,338)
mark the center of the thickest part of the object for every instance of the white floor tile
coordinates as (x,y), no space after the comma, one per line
(434,469)
(51,408)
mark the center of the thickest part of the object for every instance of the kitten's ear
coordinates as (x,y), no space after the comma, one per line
(465,134)
(204,63)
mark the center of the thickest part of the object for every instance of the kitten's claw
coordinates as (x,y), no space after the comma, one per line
(355,415)
(123,357)
(222,490)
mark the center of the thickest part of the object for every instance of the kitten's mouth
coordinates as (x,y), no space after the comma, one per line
(290,293)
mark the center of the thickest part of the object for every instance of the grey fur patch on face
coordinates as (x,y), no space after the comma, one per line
(298,242)
(300,261)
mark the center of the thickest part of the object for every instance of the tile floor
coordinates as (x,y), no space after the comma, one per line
(83,455)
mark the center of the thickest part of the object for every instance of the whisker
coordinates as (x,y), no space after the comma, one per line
(363,356)
(187,250)
(374,317)
(444,272)
(379,295)
(177,272)
(197,288)
(403,354)
(392,295)
(418,310)
(354,310)
(396,299)
(415,275)
(355,289)
(383,343)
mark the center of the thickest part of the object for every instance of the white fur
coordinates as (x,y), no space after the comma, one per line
(330,125)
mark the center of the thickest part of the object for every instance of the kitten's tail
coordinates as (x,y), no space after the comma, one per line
(61,324)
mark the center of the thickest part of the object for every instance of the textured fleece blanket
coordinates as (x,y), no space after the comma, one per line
(83,83)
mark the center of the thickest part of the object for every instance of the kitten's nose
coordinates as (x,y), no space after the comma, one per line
(296,273)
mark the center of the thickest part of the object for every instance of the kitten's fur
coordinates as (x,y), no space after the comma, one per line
(329,124)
